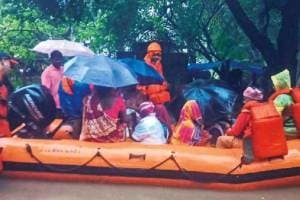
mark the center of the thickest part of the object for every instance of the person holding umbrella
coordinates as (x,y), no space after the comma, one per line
(6,62)
(53,74)
(104,116)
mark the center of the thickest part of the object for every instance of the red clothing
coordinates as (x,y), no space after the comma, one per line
(116,108)
(4,125)
(102,125)
(242,124)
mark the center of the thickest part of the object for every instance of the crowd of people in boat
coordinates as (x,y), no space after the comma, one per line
(101,114)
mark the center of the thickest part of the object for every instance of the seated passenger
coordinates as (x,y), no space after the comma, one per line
(71,94)
(241,127)
(190,128)
(103,116)
(149,130)
(134,98)
(282,102)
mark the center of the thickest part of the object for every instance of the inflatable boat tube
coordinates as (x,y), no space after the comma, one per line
(164,165)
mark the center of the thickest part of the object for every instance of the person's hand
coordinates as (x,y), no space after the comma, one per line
(228,131)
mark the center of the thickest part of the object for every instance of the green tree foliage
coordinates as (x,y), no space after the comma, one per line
(206,29)
(274,32)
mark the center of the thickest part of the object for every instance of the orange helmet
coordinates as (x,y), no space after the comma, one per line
(153,46)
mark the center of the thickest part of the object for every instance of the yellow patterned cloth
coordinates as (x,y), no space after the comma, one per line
(187,130)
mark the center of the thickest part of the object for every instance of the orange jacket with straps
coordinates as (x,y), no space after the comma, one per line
(157,93)
(294,109)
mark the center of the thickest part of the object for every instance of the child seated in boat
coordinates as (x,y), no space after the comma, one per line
(134,99)
(241,127)
(283,102)
(104,116)
(149,130)
(190,128)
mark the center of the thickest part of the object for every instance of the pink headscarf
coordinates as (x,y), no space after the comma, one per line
(253,94)
(146,108)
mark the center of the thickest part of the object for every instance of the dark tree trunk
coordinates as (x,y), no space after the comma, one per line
(288,37)
(282,55)
(259,40)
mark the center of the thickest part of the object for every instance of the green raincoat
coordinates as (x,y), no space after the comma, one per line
(281,81)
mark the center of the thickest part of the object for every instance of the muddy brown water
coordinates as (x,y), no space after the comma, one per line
(16,189)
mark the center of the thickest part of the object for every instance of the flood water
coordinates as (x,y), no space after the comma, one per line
(16,189)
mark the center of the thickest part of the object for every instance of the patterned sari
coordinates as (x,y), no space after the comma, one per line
(187,130)
(97,125)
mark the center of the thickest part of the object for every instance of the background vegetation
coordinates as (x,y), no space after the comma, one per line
(263,31)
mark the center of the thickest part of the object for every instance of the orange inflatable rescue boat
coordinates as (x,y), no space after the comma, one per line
(135,163)
(166,165)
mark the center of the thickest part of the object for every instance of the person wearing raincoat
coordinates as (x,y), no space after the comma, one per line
(6,62)
(283,102)
(157,93)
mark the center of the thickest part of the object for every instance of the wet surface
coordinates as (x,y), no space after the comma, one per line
(16,189)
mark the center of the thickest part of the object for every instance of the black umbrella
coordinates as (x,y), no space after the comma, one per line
(231,64)
(214,97)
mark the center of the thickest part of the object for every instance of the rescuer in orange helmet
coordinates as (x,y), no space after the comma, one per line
(157,93)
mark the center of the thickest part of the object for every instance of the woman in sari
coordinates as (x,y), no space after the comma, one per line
(190,127)
(104,116)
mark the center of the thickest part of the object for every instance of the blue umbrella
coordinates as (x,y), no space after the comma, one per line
(233,64)
(145,74)
(246,66)
(204,66)
(99,70)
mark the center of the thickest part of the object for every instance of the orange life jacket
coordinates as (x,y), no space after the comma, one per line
(4,125)
(296,115)
(296,94)
(157,93)
(268,138)
(67,84)
(277,93)
(296,107)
